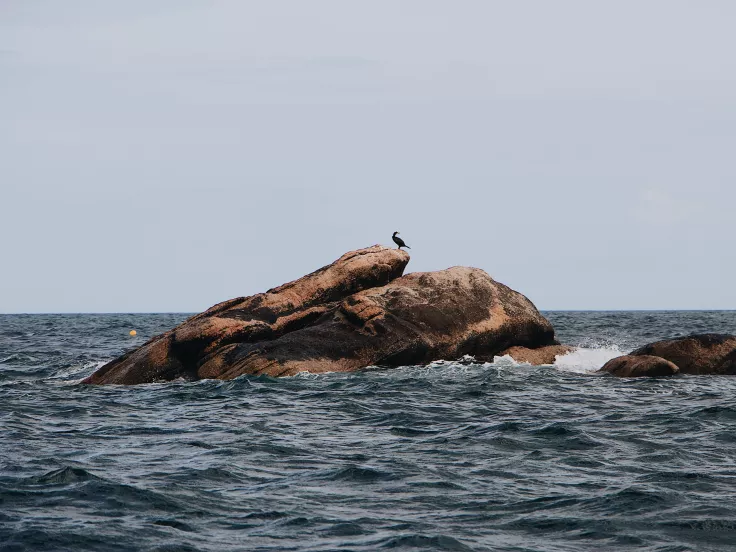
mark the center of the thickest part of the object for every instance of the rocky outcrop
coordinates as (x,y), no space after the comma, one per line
(539,356)
(701,354)
(640,366)
(262,317)
(696,354)
(358,311)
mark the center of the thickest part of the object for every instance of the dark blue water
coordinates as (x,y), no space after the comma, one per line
(446,457)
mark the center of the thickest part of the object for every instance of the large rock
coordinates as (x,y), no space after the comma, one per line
(697,354)
(628,366)
(539,356)
(354,313)
(262,317)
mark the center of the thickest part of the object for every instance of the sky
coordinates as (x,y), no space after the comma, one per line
(165,156)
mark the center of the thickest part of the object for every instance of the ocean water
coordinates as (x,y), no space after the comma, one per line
(451,456)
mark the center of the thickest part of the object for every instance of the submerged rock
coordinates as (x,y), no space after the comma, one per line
(628,366)
(700,354)
(358,311)
(539,356)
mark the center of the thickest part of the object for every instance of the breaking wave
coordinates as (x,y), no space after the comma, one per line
(584,360)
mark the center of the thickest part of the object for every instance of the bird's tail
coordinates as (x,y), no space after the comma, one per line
(407,247)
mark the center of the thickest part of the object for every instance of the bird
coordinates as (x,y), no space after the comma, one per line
(398,241)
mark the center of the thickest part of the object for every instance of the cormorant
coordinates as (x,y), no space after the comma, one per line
(398,241)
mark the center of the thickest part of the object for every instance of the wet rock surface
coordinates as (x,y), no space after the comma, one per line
(629,366)
(539,356)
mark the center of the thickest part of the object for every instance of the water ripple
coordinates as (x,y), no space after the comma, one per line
(451,456)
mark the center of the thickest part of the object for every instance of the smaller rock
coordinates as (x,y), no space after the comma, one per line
(697,354)
(643,366)
(537,357)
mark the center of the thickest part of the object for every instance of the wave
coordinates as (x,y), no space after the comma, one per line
(507,360)
(581,360)
(75,373)
(585,360)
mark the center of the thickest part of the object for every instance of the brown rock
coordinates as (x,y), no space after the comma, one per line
(265,316)
(537,357)
(728,365)
(415,319)
(354,313)
(640,366)
(697,354)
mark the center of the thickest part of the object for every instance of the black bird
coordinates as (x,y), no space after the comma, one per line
(398,241)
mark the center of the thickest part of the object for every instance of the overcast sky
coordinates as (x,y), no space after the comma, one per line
(167,155)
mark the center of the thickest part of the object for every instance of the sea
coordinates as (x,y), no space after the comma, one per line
(455,456)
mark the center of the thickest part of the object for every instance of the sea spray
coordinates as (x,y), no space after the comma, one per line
(585,359)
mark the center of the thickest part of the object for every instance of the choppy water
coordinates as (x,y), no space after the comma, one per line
(445,457)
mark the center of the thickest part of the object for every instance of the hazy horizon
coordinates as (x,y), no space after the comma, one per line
(165,157)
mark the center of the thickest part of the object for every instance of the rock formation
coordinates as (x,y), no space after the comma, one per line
(696,354)
(537,357)
(628,366)
(357,312)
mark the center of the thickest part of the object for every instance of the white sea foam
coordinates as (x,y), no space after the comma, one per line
(506,360)
(582,360)
(74,374)
(585,359)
